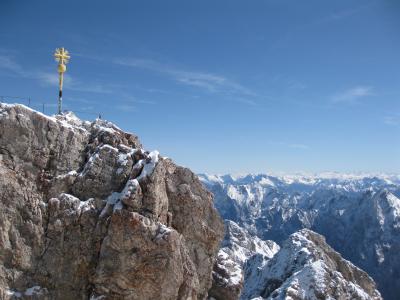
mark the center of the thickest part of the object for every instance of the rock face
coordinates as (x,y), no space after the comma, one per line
(236,249)
(307,268)
(358,215)
(85,213)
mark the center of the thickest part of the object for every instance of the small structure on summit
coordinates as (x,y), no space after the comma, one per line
(62,57)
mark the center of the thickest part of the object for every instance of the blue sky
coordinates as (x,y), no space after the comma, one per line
(221,86)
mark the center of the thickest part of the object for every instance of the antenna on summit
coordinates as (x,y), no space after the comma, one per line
(62,57)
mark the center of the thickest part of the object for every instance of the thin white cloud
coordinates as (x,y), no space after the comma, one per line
(8,63)
(208,81)
(203,80)
(343,14)
(286,38)
(299,146)
(346,13)
(50,78)
(353,95)
(392,120)
(287,82)
(289,145)
(247,101)
(130,99)
(89,87)
(126,107)
(296,85)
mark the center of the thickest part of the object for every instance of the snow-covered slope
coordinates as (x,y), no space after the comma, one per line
(358,214)
(240,245)
(237,247)
(307,268)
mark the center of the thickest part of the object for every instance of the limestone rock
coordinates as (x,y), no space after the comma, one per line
(146,259)
(203,230)
(86,212)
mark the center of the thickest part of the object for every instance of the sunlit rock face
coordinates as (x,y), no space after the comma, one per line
(359,215)
(85,213)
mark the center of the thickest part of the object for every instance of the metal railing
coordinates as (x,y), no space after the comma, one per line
(44,107)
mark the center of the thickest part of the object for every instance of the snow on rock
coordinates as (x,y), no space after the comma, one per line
(359,214)
(236,248)
(240,245)
(35,292)
(100,297)
(308,268)
(149,164)
(116,199)
(162,232)
(132,186)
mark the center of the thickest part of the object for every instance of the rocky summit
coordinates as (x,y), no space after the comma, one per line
(86,213)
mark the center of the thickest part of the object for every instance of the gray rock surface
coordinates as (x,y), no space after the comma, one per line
(85,213)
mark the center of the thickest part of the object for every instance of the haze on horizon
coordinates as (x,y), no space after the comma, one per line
(227,87)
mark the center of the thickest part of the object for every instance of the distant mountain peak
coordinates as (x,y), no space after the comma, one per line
(307,268)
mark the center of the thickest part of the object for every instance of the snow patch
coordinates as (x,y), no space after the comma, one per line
(162,232)
(149,166)
(115,199)
(32,291)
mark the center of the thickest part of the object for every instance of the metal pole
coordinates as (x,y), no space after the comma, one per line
(42,107)
(60,94)
(29,102)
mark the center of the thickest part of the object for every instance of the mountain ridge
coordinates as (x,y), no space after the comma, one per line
(359,216)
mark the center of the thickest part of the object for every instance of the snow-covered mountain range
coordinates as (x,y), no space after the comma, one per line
(359,215)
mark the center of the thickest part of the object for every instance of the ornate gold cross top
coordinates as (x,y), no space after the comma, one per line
(62,56)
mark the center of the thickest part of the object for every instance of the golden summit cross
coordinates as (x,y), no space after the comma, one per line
(62,57)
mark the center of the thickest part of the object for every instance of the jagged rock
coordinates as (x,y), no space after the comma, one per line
(308,268)
(227,279)
(85,212)
(203,230)
(134,199)
(72,239)
(147,260)
(155,198)
(237,247)
(102,174)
